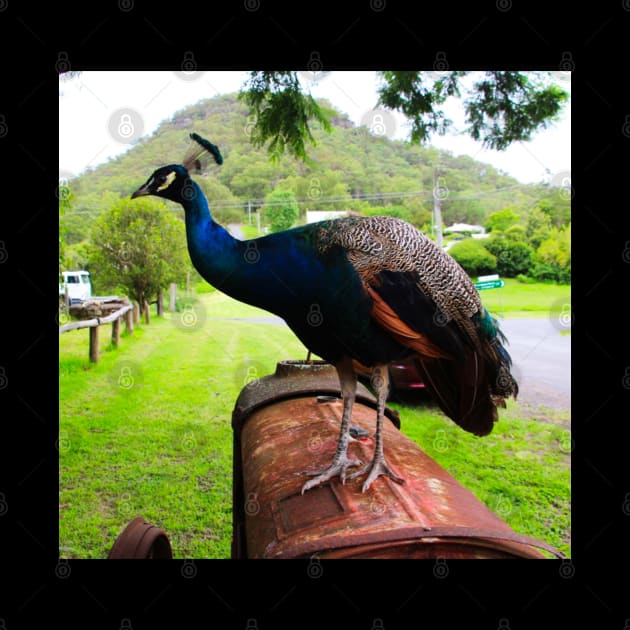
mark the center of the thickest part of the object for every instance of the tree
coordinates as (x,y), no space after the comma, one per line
(282,112)
(473,257)
(538,227)
(138,246)
(501,107)
(557,206)
(281,209)
(552,260)
(501,220)
(65,202)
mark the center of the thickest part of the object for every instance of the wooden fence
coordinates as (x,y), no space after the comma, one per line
(94,324)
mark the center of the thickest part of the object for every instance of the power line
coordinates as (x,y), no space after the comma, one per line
(223,204)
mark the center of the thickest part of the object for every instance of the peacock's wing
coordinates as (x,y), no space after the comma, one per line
(425,300)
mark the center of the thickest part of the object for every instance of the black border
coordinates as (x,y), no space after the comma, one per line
(375,34)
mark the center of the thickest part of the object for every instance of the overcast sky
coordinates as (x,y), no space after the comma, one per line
(102,112)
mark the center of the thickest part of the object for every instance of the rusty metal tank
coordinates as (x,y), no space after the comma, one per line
(288,423)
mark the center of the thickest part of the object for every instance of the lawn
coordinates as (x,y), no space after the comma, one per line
(146,431)
(517,299)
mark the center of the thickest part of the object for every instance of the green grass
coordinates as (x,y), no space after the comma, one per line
(517,299)
(146,432)
(250,231)
(521,471)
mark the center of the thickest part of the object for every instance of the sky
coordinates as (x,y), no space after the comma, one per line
(101,113)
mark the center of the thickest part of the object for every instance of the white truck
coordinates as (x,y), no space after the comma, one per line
(77,284)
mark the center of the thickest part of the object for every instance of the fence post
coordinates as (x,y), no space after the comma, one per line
(94,344)
(160,304)
(129,321)
(147,315)
(136,313)
(171,301)
(116,332)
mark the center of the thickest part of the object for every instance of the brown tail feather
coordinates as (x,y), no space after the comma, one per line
(461,390)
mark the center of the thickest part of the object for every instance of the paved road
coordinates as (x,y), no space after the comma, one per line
(542,361)
(235,230)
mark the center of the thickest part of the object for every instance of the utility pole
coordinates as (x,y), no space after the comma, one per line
(249,211)
(437,211)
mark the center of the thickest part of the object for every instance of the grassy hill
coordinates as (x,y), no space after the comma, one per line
(349,168)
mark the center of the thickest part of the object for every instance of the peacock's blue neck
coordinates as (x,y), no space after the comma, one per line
(213,250)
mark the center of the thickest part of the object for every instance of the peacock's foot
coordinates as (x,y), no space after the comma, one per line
(339,467)
(377,467)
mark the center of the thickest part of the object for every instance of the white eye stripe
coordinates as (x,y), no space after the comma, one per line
(169,180)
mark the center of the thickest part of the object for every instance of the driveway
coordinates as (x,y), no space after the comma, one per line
(541,361)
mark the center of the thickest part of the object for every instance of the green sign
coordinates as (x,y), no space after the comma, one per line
(489,284)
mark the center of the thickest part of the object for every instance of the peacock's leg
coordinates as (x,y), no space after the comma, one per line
(341,462)
(378,466)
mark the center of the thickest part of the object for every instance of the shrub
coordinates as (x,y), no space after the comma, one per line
(552,260)
(513,257)
(473,257)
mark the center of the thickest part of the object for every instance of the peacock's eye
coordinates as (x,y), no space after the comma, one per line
(164,180)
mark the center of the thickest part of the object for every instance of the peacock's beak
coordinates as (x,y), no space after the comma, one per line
(143,191)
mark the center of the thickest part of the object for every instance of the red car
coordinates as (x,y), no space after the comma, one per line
(403,376)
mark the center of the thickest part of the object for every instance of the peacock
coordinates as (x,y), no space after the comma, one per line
(356,291)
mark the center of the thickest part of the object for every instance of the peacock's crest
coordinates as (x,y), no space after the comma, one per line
(199,152)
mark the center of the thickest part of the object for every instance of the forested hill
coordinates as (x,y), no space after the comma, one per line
(350,168)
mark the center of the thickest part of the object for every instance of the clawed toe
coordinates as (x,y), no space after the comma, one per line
(379,467)
(337,468)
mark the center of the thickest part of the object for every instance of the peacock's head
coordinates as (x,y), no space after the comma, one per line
(173,182)
(167,182)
